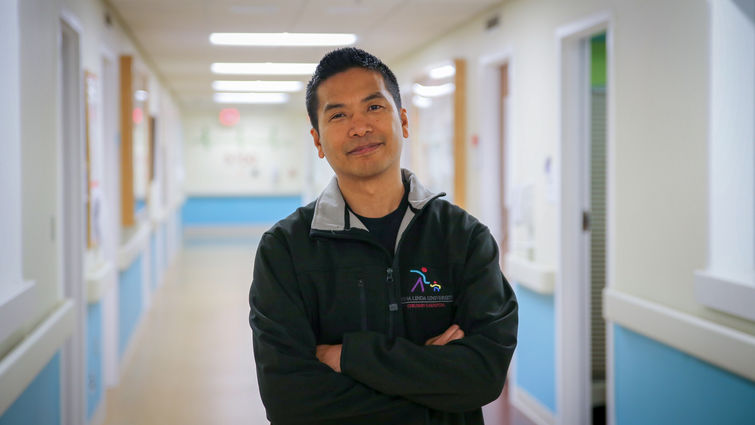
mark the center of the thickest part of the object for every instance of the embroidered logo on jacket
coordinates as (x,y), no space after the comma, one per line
(425,293)
(422,281)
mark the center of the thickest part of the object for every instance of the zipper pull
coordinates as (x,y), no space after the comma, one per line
(389,278)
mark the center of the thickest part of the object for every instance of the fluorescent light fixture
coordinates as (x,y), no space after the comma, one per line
(281,39)
(263,68)
(258,86)
(421,102)
(250,97)
(141,95)
(442,72)
(433,91)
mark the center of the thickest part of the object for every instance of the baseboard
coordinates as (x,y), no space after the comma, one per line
(531,407)
(721,346)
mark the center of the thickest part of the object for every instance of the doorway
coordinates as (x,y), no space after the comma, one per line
(594,222)
(494,153)
(585,124)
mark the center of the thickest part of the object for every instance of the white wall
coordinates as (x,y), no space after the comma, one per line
(40,150)
(659,177)
(10,149)
(265,153)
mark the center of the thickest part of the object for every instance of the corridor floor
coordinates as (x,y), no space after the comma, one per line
(192,363)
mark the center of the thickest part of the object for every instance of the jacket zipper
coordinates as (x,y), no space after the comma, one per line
(392,306)
(363,301)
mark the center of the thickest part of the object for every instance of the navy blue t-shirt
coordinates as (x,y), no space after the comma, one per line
(385,229)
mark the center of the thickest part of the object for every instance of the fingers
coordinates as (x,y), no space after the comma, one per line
(453,333)
(458,334)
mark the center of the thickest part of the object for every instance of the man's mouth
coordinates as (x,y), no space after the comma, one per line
(365,149)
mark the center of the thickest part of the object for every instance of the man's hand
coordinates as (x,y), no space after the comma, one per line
(453,333)
(330,355)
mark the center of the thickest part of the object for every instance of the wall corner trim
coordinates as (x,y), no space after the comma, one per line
(719,345)
(22,364)
(16,306)
(133,246)
(726,294)
(99,279)
(534,276)
(531,407)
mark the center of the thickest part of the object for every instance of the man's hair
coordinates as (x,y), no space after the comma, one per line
(341,60)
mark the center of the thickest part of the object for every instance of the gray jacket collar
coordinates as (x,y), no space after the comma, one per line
(330,208)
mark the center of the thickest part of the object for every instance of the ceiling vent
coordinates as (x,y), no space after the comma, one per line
(492,23)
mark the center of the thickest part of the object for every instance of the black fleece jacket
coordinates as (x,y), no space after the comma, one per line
(320,278)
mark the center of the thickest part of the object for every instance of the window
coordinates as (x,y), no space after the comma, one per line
(728,282)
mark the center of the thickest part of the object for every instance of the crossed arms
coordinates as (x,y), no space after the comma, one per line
(368,375)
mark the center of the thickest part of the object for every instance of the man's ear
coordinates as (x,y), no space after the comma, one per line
(404,123)
(316,139)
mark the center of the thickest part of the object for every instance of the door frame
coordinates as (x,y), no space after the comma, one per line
(73,225)
(109,93)
(489,152)
(572,306)
(489,159)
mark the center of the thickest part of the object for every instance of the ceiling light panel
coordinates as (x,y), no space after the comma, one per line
(433,91)
(442,72)
(250,97)
(281,39)
(258,86)
(266,68)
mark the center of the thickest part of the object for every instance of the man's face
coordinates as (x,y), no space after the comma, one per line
(360,129)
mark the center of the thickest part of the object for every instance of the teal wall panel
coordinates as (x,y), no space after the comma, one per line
(94,358)
(39,404)
(657,384)
(129,303)
(536,348)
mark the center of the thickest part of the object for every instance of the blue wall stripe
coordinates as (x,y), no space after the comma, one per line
(39,404)
(94,358)
(205,211)
(153,266)
(129,303)
(657,384)
(164,247)
(536,348)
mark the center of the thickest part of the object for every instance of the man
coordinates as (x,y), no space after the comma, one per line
(379,303)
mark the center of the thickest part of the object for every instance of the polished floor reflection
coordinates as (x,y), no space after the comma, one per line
(193,360)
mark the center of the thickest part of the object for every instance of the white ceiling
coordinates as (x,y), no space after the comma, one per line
(174,34)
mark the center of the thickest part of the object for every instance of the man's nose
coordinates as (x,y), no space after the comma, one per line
(360,126)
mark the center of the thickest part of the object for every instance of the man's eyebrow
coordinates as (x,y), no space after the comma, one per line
(373,96)
(330,106)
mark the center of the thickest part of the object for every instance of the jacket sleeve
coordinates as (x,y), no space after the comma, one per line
(295,386)
(462,375)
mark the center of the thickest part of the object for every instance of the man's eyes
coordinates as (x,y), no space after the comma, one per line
(373,107)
